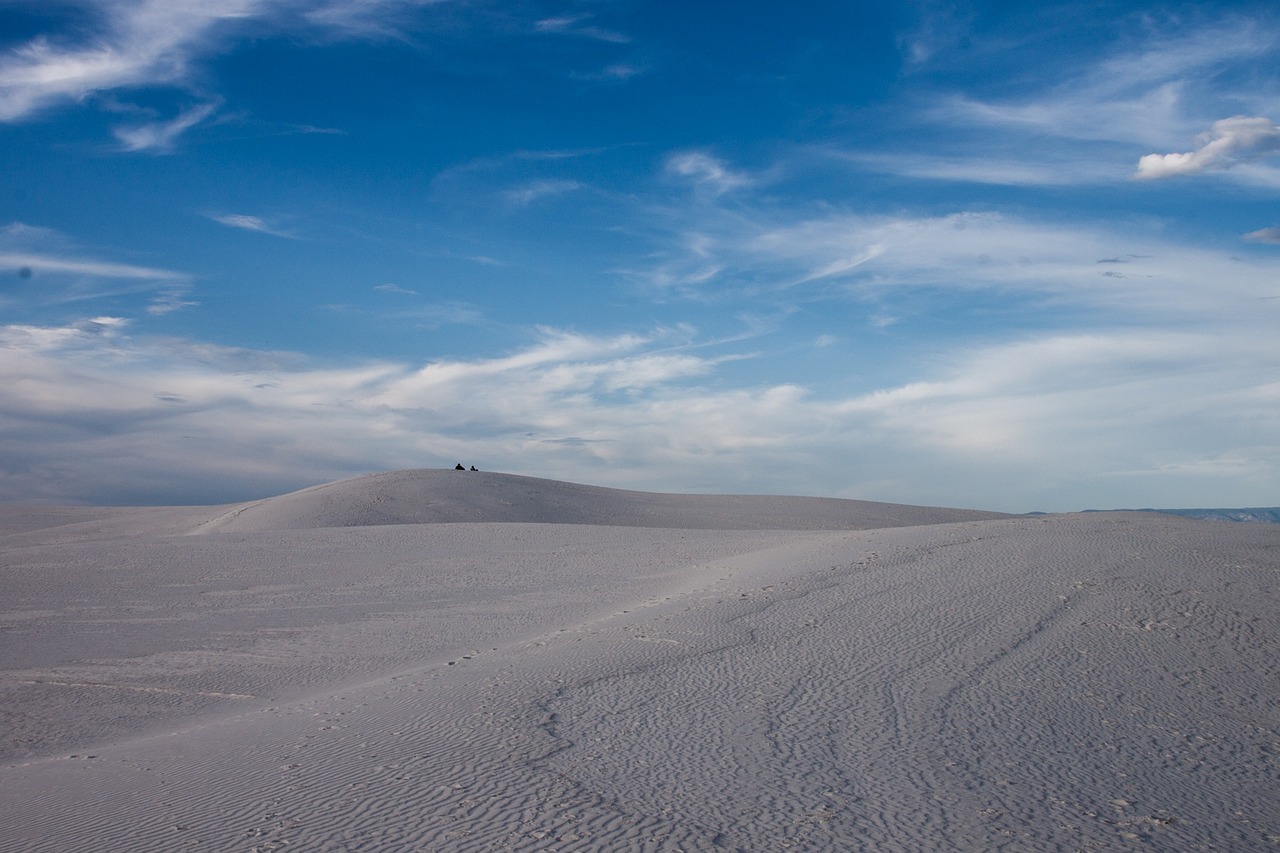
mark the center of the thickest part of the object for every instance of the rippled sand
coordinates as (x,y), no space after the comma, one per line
(463,661)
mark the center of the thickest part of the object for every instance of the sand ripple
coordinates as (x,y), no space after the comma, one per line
(1089,682)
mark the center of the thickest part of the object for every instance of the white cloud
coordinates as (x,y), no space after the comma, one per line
(526,194)
(1065,169)
(1265,235)
(155,43)
(169,301)
(394,288)
(161,136)
(41,250)
(63,273)
(621,71)
(80,266)
(1255,174)
(1031,423)
(850,256)
(1139,94)
(446,314)
(941,26)
(143,42)
(1088,115)
(241,220)
(1078,117)
(706,171)
(246,222)
(576,25)
(1227,143)
(1126,403)
(359,18)
(1093,387)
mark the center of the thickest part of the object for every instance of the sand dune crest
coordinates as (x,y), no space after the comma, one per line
(439,497)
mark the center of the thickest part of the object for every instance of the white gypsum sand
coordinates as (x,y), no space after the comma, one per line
(242,678)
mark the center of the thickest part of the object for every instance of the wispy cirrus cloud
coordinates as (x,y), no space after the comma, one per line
(706,172)
(43,250)
(528,193)
(940,26)
(60,272)
(170,300)
(157,43)
(619,71)
(440,314)
(581,26)
(360,18)
(160,137)
(1265,235)
(135,43)
(246,222)
(1145,91)
(41,263)
(394,288)
(870,263)
(1063,170)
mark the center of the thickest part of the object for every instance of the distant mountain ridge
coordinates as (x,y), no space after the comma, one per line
(1246,515)
(1252,515)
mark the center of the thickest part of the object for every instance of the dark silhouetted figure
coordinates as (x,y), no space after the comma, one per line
(473,468)
(459,467)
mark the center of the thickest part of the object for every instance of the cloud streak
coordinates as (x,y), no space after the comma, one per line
(156,43)
(37,263)
(527,194)
(706,172)
(839,256)
(577,25)
(53,271)
(160,137)
(144,42)
(34,251)
(1139,94)
(246,222)
(1265,235)
(1065,170)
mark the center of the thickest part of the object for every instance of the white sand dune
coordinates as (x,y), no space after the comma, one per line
(636,672)
(434,497)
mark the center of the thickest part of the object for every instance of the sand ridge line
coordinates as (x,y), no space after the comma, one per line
(436,496)
(135,687)
(221,520)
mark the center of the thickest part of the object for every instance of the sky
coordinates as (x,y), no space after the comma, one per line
(984,254)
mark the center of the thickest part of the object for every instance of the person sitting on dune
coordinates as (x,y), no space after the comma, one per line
(459,467)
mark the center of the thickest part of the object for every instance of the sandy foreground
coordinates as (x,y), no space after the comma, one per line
(469,661)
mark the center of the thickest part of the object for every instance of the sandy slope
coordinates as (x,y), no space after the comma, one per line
(1098,681)
(434,496)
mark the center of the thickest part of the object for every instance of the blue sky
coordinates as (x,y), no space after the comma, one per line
(992,255)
